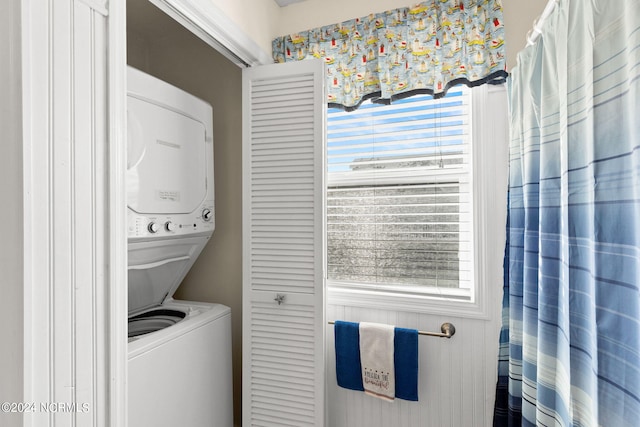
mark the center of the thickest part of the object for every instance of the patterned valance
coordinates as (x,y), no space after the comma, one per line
(426,48)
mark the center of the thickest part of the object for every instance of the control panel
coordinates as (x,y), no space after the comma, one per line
(163,226)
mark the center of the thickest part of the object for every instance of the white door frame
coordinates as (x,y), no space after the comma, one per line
(208,22)
(44,193)
(116,305)
(66,341)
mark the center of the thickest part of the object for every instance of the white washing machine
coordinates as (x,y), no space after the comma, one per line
(179,352)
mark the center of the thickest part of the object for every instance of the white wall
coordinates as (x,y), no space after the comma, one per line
(11,248)
(257,18)
(457,376)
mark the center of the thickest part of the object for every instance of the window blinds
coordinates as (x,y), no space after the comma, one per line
(399,193)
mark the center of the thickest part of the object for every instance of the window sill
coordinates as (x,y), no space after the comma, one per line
(338,294)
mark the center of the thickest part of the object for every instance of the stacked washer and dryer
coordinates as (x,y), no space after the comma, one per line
(179,352)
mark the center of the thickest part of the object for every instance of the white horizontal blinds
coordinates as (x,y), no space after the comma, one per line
(283,312)
(399,193)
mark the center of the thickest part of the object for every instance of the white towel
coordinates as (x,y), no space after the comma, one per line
(376,357)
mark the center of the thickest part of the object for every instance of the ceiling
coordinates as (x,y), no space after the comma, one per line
(283,3)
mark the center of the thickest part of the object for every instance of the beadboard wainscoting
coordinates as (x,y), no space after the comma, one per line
(457,376)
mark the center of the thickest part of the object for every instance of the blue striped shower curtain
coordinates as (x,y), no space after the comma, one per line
(570,344)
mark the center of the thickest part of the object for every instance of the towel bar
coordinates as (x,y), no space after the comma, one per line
(448,330)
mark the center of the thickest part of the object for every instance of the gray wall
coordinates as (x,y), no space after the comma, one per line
(11,248)
(183,60)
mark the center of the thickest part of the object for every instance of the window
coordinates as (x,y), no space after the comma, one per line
(401,217)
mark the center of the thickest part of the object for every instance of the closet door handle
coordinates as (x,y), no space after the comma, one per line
(279,298)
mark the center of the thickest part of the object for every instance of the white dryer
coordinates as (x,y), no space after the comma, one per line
(179,352)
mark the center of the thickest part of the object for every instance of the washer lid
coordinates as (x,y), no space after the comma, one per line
(166,167)
(156,269)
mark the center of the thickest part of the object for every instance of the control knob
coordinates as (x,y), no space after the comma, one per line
(153,227)
(206,214)
(169,226)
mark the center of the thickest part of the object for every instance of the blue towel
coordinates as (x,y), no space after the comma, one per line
(349,369)
(405,359)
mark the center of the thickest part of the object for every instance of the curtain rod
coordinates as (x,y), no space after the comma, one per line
(448,330)
(535,32)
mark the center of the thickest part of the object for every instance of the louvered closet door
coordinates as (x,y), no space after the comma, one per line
(283,278)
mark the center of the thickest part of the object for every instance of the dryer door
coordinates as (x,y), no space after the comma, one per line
(166,160)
